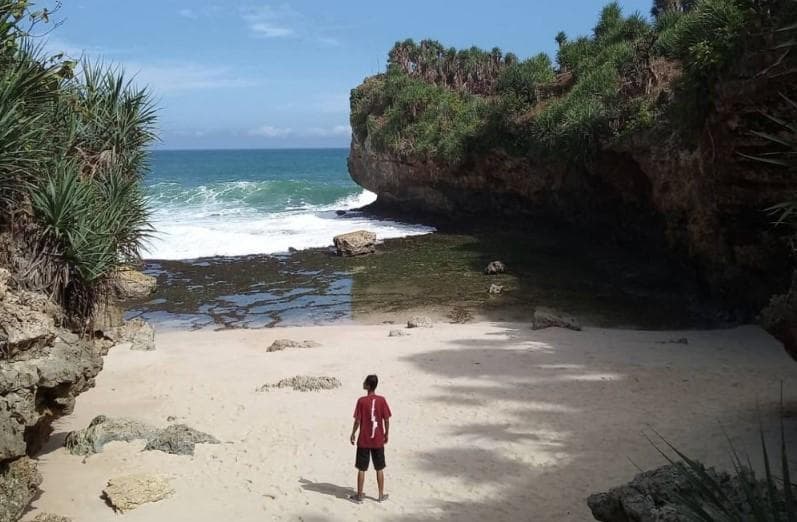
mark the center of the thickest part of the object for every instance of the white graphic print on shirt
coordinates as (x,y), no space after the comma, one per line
(374,424)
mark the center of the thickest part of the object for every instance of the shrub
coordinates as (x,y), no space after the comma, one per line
(524,79)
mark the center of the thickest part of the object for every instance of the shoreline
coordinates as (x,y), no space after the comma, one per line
(490,419)
(441,273)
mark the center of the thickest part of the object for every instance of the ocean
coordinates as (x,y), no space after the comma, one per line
(245,202)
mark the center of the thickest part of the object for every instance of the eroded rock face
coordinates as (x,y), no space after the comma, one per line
(357,243)
(131,491)
(19,483)
(42,370)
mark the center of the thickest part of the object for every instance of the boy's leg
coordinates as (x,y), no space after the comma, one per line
(361,463)
(379,465)
(380,481)
(360,483)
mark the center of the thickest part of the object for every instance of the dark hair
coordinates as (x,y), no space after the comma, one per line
(371,381)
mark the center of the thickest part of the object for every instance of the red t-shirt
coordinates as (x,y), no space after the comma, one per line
(371,411)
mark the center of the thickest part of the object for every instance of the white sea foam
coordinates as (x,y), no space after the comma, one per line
(203,230)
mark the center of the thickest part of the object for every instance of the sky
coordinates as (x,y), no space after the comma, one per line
(250,74)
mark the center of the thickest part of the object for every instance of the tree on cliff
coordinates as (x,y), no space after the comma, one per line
(73,141)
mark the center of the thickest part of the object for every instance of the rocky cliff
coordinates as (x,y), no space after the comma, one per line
(696,196)
(43,368)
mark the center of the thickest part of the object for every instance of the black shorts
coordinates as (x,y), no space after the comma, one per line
(366,454)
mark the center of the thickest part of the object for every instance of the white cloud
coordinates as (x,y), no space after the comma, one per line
(166,77)
(337,130)
(271,22)
(267,131)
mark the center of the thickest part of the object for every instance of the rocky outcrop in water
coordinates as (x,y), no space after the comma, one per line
(358,243)
(42,370)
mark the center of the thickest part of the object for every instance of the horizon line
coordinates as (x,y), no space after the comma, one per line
(212,149)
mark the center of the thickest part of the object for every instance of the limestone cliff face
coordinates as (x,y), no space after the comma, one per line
(697,196)
(42,369)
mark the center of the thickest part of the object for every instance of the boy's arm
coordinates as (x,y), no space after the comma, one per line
(387,429)
(354,427)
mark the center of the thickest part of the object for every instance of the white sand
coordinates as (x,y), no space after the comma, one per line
(491,421)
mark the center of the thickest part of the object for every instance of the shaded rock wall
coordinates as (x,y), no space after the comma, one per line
(695,196)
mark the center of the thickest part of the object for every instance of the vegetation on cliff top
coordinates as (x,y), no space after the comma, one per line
(73,141)
(630,73)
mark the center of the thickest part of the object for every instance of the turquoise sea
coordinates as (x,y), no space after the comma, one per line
(243,202)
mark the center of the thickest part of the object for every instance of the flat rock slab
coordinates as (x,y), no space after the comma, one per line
(304,383)
(550,318)
(179,439)
(103,430)
(285,344)
(131,491)
(49,517)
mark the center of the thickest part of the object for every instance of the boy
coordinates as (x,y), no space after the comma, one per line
(372,418)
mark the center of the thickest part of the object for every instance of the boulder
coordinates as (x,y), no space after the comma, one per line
(397,333)
(419,321)
(141,335)
(19,484)
(496,289)
(131,491)
(652,496)
(132,284)
(178,439)
(284,344)
(103,430)
(494,268)
(304,383)
(550,318)
(355,243)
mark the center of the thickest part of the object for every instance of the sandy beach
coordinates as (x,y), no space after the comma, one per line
(492,421)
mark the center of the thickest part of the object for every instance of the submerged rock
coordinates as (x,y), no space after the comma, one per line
(284,344)
(304,383)
(357,243)
(103,430)
(19,484)
(397,333)
(131,491)
(494,268)
(179,439)
(550,318)
(496,289)
(419,321)
(460,315)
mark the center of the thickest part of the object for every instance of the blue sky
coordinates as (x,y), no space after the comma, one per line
(252,74)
